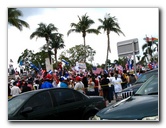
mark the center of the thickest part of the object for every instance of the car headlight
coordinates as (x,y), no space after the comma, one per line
(152,118)
(96,118)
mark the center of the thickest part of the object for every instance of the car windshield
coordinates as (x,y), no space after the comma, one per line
(150,87)
(15,102)
(144,77)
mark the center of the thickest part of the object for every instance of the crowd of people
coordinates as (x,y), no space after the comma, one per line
(108,85)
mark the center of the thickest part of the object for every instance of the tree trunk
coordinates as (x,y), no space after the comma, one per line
(84,49)
(108,49)
(55,52)
(48,51)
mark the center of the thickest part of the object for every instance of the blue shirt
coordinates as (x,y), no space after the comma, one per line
(63,85)
(46,84)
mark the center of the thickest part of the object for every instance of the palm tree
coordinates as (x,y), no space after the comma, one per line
(45,31)
(13,19)
(83,26)
(56,42)
(109,24)
(148,49)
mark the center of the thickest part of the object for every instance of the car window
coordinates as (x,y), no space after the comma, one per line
(145,76)
(16,102)
(149,87)
(63,96)
(39,101)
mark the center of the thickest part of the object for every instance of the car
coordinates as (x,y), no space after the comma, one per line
(143,78)
(54,104)
(142,106)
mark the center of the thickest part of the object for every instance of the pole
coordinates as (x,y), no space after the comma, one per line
(134,58)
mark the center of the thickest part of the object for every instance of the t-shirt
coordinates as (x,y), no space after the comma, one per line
(117,84)
(63,85)
(79,86)
(91,87)
(15,91)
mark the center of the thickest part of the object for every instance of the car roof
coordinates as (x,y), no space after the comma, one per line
(137,85)
(33,92)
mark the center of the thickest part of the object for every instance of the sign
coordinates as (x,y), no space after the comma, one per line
(128,47)
(81,65)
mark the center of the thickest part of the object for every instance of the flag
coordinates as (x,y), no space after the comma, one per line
(21,63)
(94,68)
(34,67)
(154,39)
(50,71)
(97,71)
(67,63)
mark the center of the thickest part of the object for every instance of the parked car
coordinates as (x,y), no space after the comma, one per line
(143,105)
(143,78)
(54,104)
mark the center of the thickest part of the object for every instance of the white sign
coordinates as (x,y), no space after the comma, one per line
(81,65)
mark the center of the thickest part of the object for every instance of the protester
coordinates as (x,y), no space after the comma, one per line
(104,85)
(124,79)
(9,90)
(131,78)
(24,87)
(36,83)
(117,86)
(79,86)
(71,84)
(30,84)
(46,84)
(63,83)
(91,87)
(15,90)
(111,87)
(85,82)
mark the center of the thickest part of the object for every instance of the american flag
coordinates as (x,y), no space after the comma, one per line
(97,71)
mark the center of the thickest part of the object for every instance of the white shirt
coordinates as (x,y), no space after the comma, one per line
(117,84)
(111,79)
(79,86)
(91,87)
(15,91)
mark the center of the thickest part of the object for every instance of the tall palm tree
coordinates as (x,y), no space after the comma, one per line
(109,24)
(13,19)
(45,31)
(83,26)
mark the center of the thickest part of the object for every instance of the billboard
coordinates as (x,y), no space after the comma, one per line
(128,47)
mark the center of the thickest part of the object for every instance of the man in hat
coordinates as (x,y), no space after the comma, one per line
(79,85)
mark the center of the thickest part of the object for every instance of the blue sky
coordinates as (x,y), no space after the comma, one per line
(134,22)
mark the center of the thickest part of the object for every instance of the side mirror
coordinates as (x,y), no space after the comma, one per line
(26,110)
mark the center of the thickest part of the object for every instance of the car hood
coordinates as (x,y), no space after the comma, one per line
(131,108)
